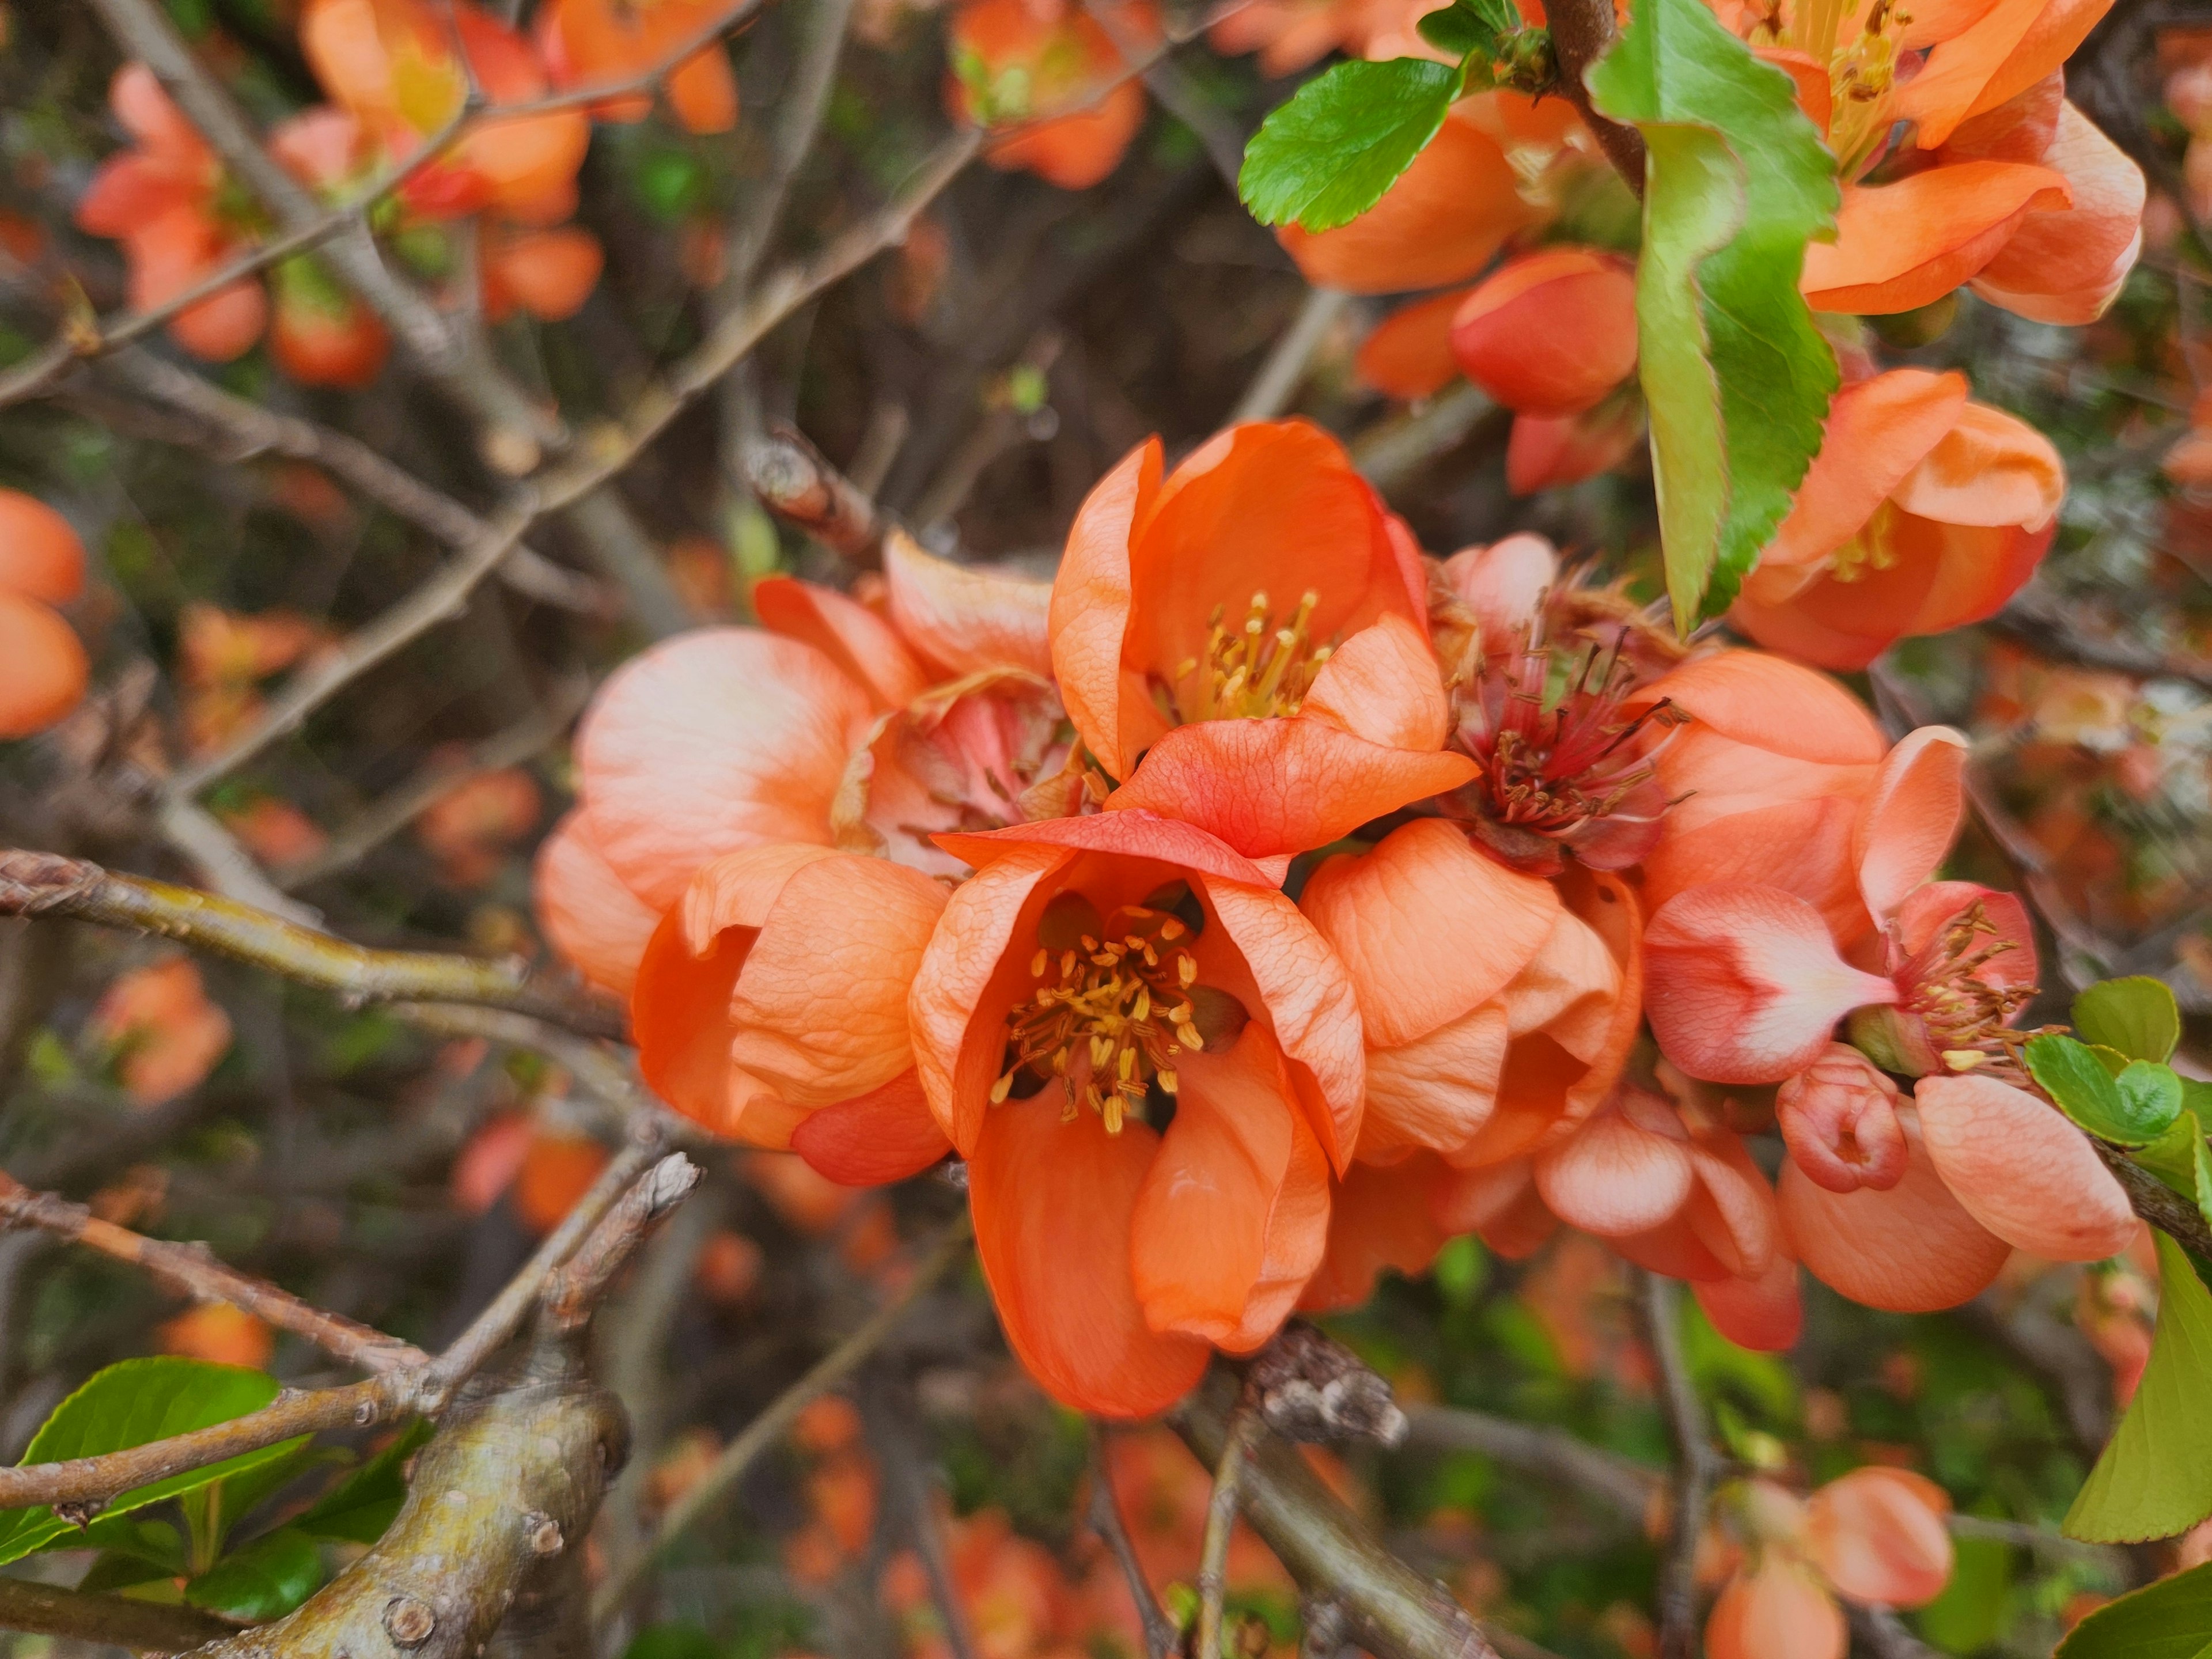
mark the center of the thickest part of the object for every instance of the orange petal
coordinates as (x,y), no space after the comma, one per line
(1500,1205)
(1378,1218)
(1765,1314)
(1270,787)
(1091,596)
(1746,986)
(1619,1174)
(1383,684)
(2022,1171)
(1878,1535)
(2068,266)
(1550,333)
(1307,998)
(1053,1203)
(703,92)
(1878,430)
(1911,816)
(884,1135)
(1989,469)
(2006,50)
(1134,833)
(1427,927)
(584,910)
(1777,1611)
(1906,1248)
(1767,702)
(966,618)
(1409,353)
(710,742)
(1297,1239)
(862,645)
(680,1017)
(1902,246)
(820,1010)
(1438,1090)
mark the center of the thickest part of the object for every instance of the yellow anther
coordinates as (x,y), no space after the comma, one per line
(1038,963)
(1187,969)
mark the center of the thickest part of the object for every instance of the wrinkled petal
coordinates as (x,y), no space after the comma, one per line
(1878,430)
(1878,1535)
(1383,684)
(884,1135)
(2006,49)
(1838,1119)
(2068,266)
(2022,1171)
(1617,1175)
(1134,832)
(1911,816)
(1499,1205)
(1438,1090)
(586,911)
(1091,597)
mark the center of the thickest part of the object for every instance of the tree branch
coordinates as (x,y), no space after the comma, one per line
(796,482)
(1244,1433)
(1628,1490)
(1582,30)
(1695,1469)
(2041,619)
(107,1620)
(46,885)
(1161,1636)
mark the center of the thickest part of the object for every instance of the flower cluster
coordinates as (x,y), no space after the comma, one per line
(1261,902)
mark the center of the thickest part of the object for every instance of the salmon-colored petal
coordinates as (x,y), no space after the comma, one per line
(1732,1211)
(1427,927)
(1877,431)
(2022,1171)
(1200,1226)
(966,618)
(1133,832)
(2068,266)
(1878,1535)
(1383,684)
(1409,354)
(1441,222)
(1307,998)
(863,644)
(1770,703)
(1272,787)
(1438,1090)
(884,1135)
(1053,1203)
(710,742)
(680,1018)
(2005,50)
(821,1007)
(1902,246)
(703,92)
(740,889)
(585,910)
(1550,451)
(1746,986)
(1091,596)
(1550,333)
(1776,1611)
(1297,1240)
(957,1022)
(1907,1249)
(1499,1205)
(1911,816)
(1616,1176)
(1378,1218)
(1989,469)
(1765,1314)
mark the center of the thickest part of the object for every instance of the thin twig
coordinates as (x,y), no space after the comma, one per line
(1279,377)
(1582,30)
(104,1621)
(765,1429)
(1161,1638)
(581,1280)
(1695,1469)
(45,885)
(1178,95)
(796,482)
(193,1269)
(1245,1430)
(1625,1488)
(2039,618)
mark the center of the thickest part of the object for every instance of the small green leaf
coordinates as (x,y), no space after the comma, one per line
(1457,30)
(2136,1016)
(358,1508)
(2170,1619)
(1326,156)
(2171,1157)
(2154,1480)
(1736,378)
(2133,1114)
(130,1404)
(2152,1092)
(265,1580)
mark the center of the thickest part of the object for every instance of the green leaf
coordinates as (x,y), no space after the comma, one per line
(2170,1619)
(1969,1614)
(2169,1157)
(2152,1092)
(358,1508)
(130,1404)
(2132,1114)
(2136,1016)
(2154,1478)
(1736,378)
(1326,156)
(265,1580)
(1457,30)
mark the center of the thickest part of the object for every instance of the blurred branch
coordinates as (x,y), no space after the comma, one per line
(2058,1353)
(2041,620)
(1161,1638)
(1285,370)
(1696,1468)
(193,1269)
(765,1429)
(1389,1609)
(1393,450)
(45,885)
(1627,1488)
(1885,1635)
(1178,94)
(1244,1433)
(106,1620)
(1582,30)
(796,482)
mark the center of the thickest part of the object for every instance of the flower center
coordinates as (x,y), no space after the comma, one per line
(1873,549)
(1968,1018)
(1258,669)
(1116,1002)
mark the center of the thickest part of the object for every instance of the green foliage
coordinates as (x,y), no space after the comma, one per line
(1460,1270)
(265,1580)
(2154,1478)
(1325,157)
(357,1509)
(1736,377)
(2137,1016)
(1970,1614)
(2170,1619)
(128,1404)
(672,1642)
(2132,1110)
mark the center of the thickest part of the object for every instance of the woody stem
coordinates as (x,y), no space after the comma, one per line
(1581,31)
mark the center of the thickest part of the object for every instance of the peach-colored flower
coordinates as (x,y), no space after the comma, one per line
(585,41)
(1091,965)
(1024,60)
(165,1032)
(1922,513)
(219,1334)
(1254,627)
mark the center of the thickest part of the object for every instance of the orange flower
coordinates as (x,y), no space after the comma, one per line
(548,273)
(1315,714)
(219,1334)
(585,41)
(1550,333)
(831,725)
(470,829)
(555,1169)
(164,1031)
(1022,61)
(1922,513)
(43,667)
(1093,973)
(40,556)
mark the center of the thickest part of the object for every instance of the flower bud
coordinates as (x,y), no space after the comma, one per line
(1838,1118)
(1551,333)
